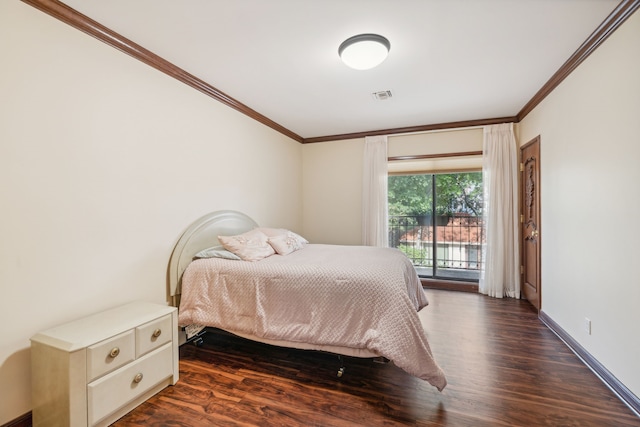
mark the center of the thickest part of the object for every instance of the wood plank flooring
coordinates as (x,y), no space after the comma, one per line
(504,368)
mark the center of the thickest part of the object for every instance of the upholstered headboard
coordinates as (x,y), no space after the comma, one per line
(201,234)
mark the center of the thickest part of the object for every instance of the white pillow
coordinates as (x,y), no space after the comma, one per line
(287,242)
(216,252)
(250,246)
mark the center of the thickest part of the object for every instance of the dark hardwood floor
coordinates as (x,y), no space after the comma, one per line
(504,368)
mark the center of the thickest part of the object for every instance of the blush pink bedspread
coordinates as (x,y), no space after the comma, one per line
(350,296)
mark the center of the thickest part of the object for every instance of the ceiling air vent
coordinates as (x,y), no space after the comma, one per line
(382,95)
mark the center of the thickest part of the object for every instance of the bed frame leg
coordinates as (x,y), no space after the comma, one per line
(341,368)
(195,339)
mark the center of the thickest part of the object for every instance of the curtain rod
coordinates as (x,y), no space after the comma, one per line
(437,130)
(434,156)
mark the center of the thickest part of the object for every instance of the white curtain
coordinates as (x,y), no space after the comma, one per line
(501,274)
(375,216)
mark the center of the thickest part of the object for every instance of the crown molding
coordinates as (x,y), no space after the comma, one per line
(620,14)
(412,129)
(88,26)
(85,24)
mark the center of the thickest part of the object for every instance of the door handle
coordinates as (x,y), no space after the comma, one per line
(534,233)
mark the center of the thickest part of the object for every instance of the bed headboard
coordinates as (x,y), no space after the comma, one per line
(201,234)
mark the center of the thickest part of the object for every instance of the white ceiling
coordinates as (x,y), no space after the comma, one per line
(450,60)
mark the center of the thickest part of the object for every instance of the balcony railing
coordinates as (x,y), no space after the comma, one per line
(441,247)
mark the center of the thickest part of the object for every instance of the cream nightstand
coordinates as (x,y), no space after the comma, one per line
(94,370)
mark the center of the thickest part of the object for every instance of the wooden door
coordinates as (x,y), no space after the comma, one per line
(530,221)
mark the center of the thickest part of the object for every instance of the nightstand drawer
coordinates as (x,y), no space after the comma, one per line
(153,335)
(85,372)
(124,385)
(110,354)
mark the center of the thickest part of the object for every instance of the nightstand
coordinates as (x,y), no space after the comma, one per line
(94,370)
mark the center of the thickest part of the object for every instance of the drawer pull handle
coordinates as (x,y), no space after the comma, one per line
(137,378)
(157,333)
(115,351)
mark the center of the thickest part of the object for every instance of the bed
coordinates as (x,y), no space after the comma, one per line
(354,301)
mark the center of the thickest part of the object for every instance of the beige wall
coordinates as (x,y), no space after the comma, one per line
(332,179)
(437,142)
(332,199)
(103,163)
(590,145)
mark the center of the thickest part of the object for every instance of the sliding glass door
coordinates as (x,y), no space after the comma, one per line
(436,220)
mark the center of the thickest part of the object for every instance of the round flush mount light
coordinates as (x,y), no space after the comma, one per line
(364,51)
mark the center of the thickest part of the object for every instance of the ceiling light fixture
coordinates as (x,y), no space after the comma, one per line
(364,51)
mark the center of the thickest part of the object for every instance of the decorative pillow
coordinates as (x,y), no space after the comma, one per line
(287,242)
(275,232)
(216,252)
(250,246)
(272,232)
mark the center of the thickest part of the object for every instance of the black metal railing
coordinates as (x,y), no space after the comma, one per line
(447,247)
